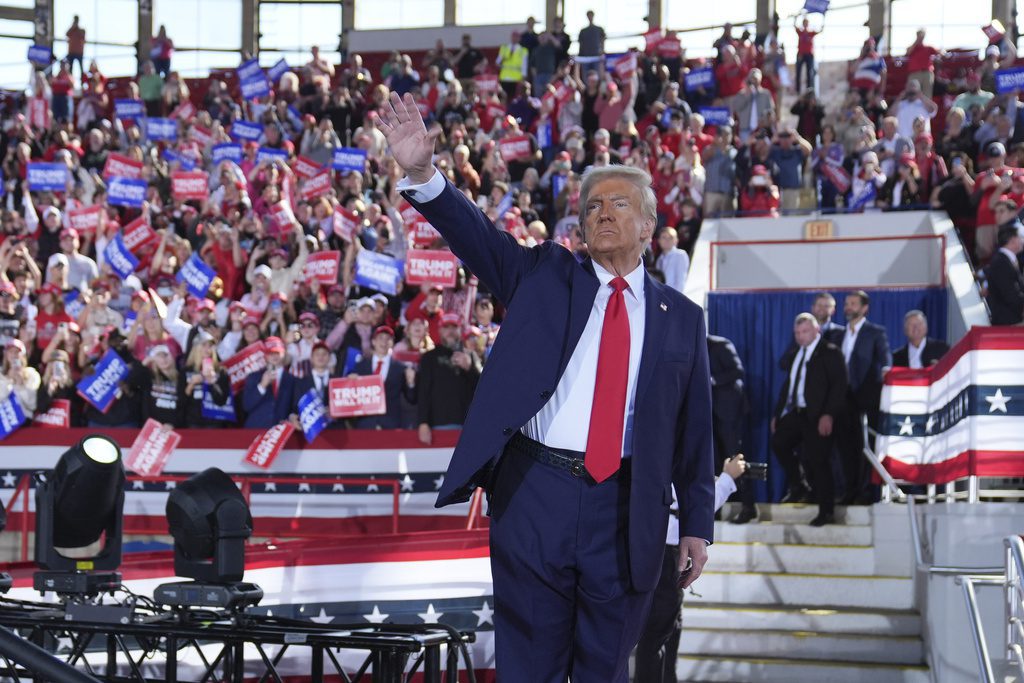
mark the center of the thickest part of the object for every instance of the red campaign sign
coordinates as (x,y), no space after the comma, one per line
(265,448)
(486,83)
(563,92)
(57,417)
(202,135)
(316,186)
(670,47)
(423,233)
(138,234)
(625,66)
(185,110)
(85,220)
(430,267)
(356,396)
(345,223)
(652,38)
(120,166)
(281,217)
(39,113)
(514,148)
(251,359)
(187,185)
(305,168)
(994,34)
(495,112)
(151,450)
(323,267)
(408,212)
(408,357)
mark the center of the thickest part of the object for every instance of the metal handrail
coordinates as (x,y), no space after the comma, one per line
(1014,600)
(977,628)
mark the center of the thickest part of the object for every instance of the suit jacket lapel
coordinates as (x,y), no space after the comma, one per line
(655,325)
(581,301)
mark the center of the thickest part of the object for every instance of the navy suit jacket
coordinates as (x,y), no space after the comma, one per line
(549,295)
(870,355)
(266,409)
(394,388)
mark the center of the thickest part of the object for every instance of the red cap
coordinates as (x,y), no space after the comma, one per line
(141,294)
(68,232)
(309,316)
(564,156)
(471,331)
(279,296)
(436,288)
(759,170)
(100,284)
(251,320)
(321,344)
(451,319)
(283,253)
(273,344)
(18,344)
(309,118)
(73,327)
(50,288)
(236,306)
(335,289)
(907,160)
(384,329)
(8,286)
(924,137)
(204,304)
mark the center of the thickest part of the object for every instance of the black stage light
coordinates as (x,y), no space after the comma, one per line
(210,522)
(78,504)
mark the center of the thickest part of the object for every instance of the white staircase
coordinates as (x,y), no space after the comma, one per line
(783,602)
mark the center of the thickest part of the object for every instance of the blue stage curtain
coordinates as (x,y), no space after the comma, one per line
(760,324)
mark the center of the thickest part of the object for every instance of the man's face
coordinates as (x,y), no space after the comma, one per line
(450,335)
(382,344)
(310,329)
(823,309)
(613,222)
(667,241)
(275,359)
(365,314)
(320,359)
(916,329)
(336,299)
(853,308)
(1016,244)
(805,332)
(433,301)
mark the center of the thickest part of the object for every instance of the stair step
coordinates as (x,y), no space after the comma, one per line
(707,669)
(793,558)
(790,618)
(772,532)
(870,592)
(854,515)
(804,645)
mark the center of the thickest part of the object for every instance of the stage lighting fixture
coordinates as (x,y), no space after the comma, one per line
(210,522)
(80,504)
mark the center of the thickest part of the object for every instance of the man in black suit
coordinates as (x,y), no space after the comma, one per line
(921,351)
(728,409)
(805,413)
(1005,282)
(318,379)
(399,380)
(865,347)
(269,396)
(824,309)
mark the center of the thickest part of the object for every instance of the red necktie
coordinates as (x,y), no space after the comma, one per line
(604,441)
(377,368)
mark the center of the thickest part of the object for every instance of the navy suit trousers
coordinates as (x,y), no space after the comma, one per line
(564,607)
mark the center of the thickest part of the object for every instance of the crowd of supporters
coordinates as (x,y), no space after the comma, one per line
(517,132)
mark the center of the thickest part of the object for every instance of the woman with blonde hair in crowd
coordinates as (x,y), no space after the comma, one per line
(58,383)
(202,376)
(18,377)
(417,337)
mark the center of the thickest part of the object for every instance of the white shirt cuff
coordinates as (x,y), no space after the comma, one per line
(423,192)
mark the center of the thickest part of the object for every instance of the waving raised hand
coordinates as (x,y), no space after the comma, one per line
(410,143)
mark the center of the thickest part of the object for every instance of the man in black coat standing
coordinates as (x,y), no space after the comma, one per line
(1005,282)
(920,351)
(447,380)
(805,413)
(399,380)
(728,410)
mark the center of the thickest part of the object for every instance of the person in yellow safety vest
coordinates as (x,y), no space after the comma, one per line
(513,61)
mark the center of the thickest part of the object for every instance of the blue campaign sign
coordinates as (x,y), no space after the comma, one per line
(269,154)
(126,192)
(278,70)
(703,77)
(865,197)
(197,276)
(100,388)
(349,159)
(544,135)
(120,259)
(131,110)
(1009,80)
(716,116)
(378,271)
(819,6)
(40,54)
(73,304)
(352,356)
(226,151)
(213,411)
(47,176)
(312,415)
(257,87)
(557,183)
(249,70)
(11,416)
(162,129)
(246,130)
(185,163)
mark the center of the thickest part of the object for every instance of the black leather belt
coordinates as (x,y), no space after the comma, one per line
(561,458)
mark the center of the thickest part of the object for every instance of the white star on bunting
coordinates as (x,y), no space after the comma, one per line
(171,485)
(438,483)
(997,401)
(304,487)
(138,485)
(269,486)
(407,483)
(375,617)
(10,480)
(338,488)
(372,487)
(484,615)
(322,618)
(907,427)
(430,616)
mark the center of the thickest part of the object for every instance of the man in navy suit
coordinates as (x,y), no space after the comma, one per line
(865,347)
(1005,282)
(920,351)
(268,397)
(594,403)
(318,379)
(399,380)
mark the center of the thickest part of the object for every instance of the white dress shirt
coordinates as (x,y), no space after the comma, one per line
(914,354)
(802,356)
(850,339)
(321,380)
(675,265)
(725,486)
(385,362)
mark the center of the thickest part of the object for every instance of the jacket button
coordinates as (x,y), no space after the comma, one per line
(506,431)
(545,394)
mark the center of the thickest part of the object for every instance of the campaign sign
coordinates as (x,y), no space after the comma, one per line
(256,88)
(162,129)
(73,304)
(486,83)
(270,155)
(197,276)
(305,168)
(120,258)
(226,151)
(514,148)
(121,166)
(129,110)
(316,186)
(544,135)
(85,220)
(39,112)
(716,116)
(407,357)
(356,396)
(281,217)
(994,32)
(424,235)
(278,70)
(202,135)
(819,6)
(138,234)
(11,416)
(1009,80)
(265,448)
(345,223)
(57,417)
(323,267)
(652,38)
(40,54)
(212,410)
(250,360)
(379,272)
(187,185)
(349,159)
(246,130)
(184,111)
(703,77)
(352,357)
(837,175)
(151,449)
(126,192)
(312,415)
(625,66)
(249,70)
(557,183)
(670,48)
(47,176)
(865,197)
(100,388)
(430,267)
(184,163)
